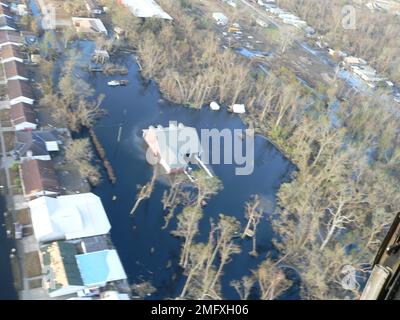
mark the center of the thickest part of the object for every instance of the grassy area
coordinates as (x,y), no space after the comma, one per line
(16,274)
(9,138)
(3,180)
(37,283)
(24,217)
(32,264)
(16,179)
(5,118)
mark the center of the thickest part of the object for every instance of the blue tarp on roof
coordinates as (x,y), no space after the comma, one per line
(94,267)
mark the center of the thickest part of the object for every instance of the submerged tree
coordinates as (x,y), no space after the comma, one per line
(187,228)
(206,261)
(145,191)
(243,286)
(271,280)
(253,213)
(79,154)
(206,187)
(174,196)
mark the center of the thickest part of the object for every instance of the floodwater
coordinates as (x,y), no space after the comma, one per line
(149,253)
(7,290)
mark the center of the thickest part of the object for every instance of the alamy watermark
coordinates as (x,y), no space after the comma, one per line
(178,145)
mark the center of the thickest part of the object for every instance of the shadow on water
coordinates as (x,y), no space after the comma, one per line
(146,251)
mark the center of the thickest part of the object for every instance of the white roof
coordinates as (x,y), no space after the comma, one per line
(146,9)
(238,108)
(219,16)
(99,267)
(68,217)
(52,146)
(214,106)
(87,24)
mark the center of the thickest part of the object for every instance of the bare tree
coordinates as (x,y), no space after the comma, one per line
(253,213)
(145,191)
(243,286)
(271,280)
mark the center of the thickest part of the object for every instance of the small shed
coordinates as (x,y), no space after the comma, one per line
(214,106)
(220,18)
(237,108)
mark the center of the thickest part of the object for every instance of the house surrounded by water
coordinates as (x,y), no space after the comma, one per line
(173,147)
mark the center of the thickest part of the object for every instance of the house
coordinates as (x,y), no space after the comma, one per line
(93,7)
(173,147)
(89,25)
(15,70)
(237,108)
(60,269)
(38,179)
(354,61)
(67,271)
(100,267)
(10,53)
(23,117)
(145,9)
(68,217)
(36,144)
(7,24)
(19,91)
(367,73)
(10,37)
(5,12)
(220,18)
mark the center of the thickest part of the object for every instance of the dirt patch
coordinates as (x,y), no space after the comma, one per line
(5,118)
(9,138)
(16,179)
(24,217)
(16,274)
(3,179)
(36,283)
(32,264)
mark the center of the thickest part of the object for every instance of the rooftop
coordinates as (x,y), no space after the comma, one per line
(38,176)
(10,51)
(98,268)
(60,266)
(68,217)
(146,9)
(22,112)
(19,88)
(173,143)
(89,25)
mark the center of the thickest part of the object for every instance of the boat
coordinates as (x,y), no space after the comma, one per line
(116,83)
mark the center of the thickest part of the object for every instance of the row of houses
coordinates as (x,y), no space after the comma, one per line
(286,17)
(16,77)
(71,230)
